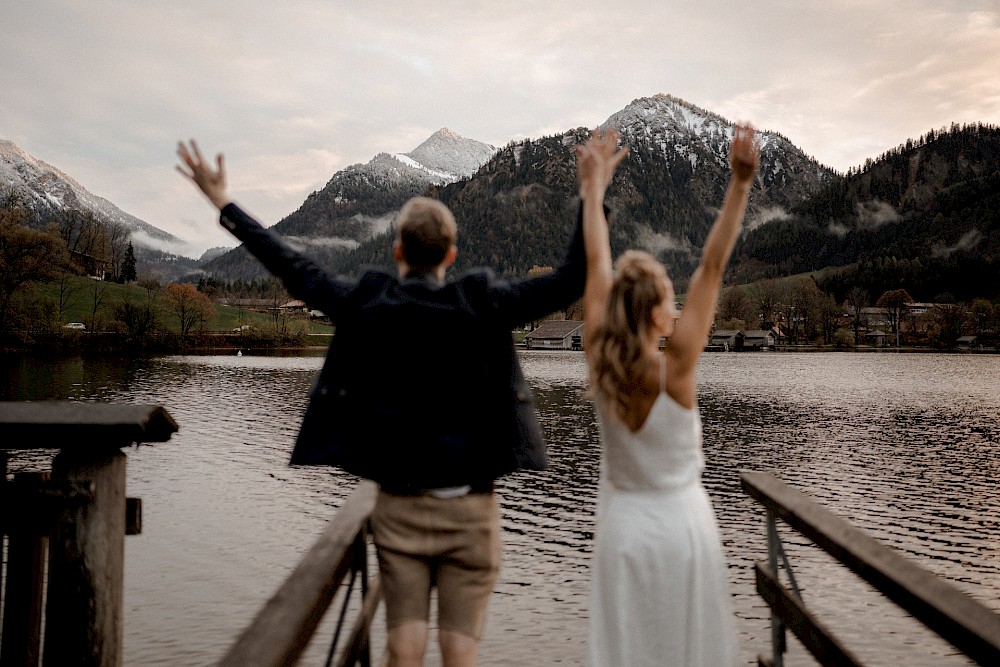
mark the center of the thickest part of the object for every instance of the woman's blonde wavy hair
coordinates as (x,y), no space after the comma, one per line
(616,351)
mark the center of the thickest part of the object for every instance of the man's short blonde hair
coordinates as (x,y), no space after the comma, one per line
(426,232)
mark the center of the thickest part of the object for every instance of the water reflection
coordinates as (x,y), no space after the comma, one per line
(904,446)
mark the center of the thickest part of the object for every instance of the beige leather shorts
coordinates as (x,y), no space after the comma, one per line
(452,544)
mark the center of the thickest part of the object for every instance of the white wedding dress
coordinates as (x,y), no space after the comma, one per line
(659,593)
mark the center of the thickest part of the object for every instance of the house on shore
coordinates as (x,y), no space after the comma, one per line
(758,339)
(725,340)
(556,335)
(734,340)
(967,342)
(877,338)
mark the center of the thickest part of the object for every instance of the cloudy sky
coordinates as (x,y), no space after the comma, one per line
(294,91)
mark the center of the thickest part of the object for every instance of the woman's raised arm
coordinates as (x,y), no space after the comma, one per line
(690,334)
(597,159)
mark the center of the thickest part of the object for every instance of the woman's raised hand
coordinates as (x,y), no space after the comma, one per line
(597,159)
(744,153)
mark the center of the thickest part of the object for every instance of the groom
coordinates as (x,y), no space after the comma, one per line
(422,392)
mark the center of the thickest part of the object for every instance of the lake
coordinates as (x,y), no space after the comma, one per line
(906,446)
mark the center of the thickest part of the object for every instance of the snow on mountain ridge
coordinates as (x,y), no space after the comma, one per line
(444,157)
(448,152)
(40,185)
(683,130)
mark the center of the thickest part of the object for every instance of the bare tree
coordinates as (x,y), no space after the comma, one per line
(119,238)
(829,315)
(67,286)
(857,301)
(736,305)
(893,303)
(767,297)
(188,305)
(98,295)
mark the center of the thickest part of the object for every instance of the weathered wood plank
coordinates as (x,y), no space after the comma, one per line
(956,617)
(22,617)
(282,629)
(84,609)
(72,425)
(814,635)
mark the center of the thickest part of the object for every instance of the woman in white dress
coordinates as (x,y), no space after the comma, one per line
(659,594)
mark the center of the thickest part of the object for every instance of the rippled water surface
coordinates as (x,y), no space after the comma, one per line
(904,446)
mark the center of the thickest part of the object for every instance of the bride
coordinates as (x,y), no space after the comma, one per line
(659,594)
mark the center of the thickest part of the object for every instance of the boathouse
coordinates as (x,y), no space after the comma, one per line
(758,339)
(726,340)
(556,335)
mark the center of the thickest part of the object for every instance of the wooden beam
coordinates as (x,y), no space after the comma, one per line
(73,425)
(282,629)
(22,617)
(814,635)
(84,620)
(943,608)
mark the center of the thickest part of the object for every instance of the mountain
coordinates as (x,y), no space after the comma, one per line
(924,217)
(51,195)
(361,201)
(516,211)
(46,191)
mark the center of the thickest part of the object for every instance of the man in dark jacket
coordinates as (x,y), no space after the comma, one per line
(422,392)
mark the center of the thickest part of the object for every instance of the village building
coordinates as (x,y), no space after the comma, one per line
(758,339)
(556,335)
(725,340)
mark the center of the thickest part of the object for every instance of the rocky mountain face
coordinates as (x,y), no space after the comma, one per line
(360,202)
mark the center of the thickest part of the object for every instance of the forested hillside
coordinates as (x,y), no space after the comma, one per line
(924,217)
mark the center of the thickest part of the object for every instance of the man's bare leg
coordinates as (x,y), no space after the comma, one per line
(407,644)
(457,649)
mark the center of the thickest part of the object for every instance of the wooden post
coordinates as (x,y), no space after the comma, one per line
(22,617)
(86,565)
(3,509)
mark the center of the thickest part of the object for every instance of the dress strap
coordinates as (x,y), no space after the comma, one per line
(663,373)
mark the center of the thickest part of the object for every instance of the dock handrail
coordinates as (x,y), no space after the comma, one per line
(281,631)
(956,617)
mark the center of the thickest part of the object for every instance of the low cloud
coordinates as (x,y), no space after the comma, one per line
(659,242)
(141,239)
(837,229)
(968,241)
(875,214)
(764,216)
(303,242)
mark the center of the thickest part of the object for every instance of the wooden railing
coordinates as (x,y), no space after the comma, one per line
(969,626)
(284,626)
(76,514)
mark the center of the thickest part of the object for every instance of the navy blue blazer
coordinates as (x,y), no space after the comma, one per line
(421,387)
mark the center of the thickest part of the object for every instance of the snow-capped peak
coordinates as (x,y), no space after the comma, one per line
(447,152)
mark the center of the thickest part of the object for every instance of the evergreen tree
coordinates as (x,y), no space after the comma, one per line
(127,273)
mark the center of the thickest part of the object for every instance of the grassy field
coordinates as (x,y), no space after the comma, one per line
(80,295)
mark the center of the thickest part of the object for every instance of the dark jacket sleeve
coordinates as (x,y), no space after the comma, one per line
(528,299)
(303,278)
